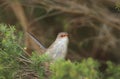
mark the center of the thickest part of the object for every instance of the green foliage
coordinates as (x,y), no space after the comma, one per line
(13,63)
(117,5)
(113,71)
(87,69)
(8,52)
(39,64)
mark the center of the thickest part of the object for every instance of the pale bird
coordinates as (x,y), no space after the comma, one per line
(58,49)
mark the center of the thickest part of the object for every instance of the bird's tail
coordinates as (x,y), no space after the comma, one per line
(36,41)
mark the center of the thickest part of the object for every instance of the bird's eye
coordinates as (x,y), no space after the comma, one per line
(62,35)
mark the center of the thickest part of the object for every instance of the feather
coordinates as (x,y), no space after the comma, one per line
(36,41)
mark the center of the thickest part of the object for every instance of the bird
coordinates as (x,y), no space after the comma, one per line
(58,49)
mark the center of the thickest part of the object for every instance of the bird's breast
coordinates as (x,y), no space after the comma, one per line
(58,49)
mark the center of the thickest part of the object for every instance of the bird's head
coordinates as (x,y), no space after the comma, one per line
(62,35)
(62,38)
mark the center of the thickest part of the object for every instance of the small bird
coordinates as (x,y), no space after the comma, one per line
(58,49)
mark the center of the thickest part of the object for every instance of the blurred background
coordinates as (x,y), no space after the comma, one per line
(93,25)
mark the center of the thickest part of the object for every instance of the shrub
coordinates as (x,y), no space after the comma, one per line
(15,64)
(113,71)
(9,52)
(87,69)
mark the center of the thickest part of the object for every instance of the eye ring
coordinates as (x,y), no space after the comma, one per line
(62,35)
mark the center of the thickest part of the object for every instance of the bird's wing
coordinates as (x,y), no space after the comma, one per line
(36,41)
